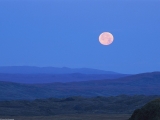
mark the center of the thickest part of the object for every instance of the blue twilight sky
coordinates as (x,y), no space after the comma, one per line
(64,33)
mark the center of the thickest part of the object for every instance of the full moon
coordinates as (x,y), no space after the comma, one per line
(106,38)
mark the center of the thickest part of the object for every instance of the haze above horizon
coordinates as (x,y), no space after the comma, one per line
(65,34)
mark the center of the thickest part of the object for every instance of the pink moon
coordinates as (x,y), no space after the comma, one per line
(106,38)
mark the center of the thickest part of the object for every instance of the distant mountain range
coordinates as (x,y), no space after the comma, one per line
(50,70)
(26,74)
(50,78)
(140,84)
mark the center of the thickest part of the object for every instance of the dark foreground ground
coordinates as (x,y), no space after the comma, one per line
(71,117)
(122,104)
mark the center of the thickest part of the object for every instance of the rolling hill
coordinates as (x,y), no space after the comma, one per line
(146,84)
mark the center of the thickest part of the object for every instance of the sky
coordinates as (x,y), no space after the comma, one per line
(64,33)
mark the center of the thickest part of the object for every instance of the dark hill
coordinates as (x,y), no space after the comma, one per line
(150,111)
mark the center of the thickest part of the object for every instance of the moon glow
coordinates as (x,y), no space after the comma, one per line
(106,38)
